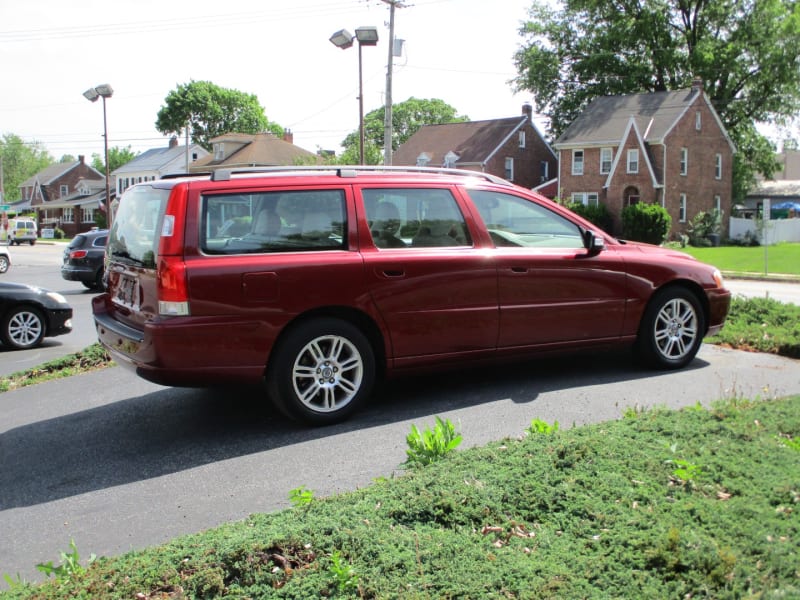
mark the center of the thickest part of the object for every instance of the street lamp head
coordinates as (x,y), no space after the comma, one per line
(104,90)
(367,36)
(342,39)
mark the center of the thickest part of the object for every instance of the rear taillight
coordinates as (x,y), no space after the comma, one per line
(78,254)
(173,294)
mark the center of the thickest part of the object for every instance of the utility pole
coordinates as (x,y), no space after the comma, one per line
(387,118)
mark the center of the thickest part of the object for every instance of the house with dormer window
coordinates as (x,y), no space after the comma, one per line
(669,148)
(511,148)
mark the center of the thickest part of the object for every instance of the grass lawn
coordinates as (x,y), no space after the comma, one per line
(780,258)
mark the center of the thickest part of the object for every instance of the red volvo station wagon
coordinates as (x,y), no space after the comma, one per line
(315,282)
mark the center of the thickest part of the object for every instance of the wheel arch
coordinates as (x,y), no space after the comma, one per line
(355,317)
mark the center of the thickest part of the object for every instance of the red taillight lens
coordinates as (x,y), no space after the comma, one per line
(78,254)
(173,295)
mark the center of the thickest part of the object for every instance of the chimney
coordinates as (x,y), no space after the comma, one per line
(288,136)
(697,84)
(173,142)
(81,158)
(527,110)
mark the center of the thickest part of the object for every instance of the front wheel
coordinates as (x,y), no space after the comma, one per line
(321,372)
(22,328)
(672,329)
(4,263)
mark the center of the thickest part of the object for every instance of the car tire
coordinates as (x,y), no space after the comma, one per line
(4,263)
(23,327)
(32,242)
(321,372)
(671,330)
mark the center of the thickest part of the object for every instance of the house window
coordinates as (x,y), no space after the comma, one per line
(64,191)
(605,160)
(521,139)
(684,161)
(450,160)
(682,209)
(717,203)
(87,215)
(544,169)
(423,160)
(577,162)
(509,173)
(718,166)
(68,216)
(633,161)
(698,121)
(219,151)
(586,198)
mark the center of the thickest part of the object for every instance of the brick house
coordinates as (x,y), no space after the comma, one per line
(669,148)
(64,195)
(511,148)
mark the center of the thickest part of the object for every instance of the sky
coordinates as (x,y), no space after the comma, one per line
(51,51)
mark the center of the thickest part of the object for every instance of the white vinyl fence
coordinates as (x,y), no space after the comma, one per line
(777,230)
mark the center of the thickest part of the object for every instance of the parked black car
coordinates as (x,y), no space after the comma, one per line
(28,314)
(83,259)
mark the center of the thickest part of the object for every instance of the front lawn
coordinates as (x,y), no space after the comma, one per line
(778,259)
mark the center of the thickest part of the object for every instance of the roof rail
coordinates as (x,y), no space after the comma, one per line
(347,171)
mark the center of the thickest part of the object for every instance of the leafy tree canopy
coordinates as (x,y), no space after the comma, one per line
(116,158)
(20,161)
(407,118)
(747,53)
(210,111)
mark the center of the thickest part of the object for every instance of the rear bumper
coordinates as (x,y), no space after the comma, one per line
(71,273)
(185,351)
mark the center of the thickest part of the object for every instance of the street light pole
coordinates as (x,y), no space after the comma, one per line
(366,36)
(92,94)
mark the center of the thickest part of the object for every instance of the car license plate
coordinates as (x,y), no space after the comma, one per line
(127,292)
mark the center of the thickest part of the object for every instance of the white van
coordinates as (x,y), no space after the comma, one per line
(22,229)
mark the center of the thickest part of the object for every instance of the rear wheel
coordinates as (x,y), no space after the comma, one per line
(672,329)
(23,327)
(4,263)
(321,372)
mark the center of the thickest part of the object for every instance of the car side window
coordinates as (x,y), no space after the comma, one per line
(273,221)
(515,221)
(414,218)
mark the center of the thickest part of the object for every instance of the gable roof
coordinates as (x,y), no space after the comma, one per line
(157,159)
(52,172)
(475,142)
(655,114)
(256,150)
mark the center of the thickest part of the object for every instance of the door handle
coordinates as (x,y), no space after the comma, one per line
(392,273)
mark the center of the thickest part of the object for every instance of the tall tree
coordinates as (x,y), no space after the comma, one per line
(210,110)
(20,161)
(116,158)
(407,118)
(747,53)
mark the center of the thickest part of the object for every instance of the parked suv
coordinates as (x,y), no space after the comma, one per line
(84,257)
(319,281)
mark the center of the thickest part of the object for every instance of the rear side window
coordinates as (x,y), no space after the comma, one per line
(136,230)
(273,221)
(415,218)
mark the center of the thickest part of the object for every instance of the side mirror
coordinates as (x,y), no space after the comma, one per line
(594,242)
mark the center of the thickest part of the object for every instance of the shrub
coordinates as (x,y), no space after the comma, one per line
(597,214)
(648,223)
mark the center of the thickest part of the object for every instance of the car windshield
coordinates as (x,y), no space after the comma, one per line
(133,236)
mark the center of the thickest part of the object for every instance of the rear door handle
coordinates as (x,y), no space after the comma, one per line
(392,273)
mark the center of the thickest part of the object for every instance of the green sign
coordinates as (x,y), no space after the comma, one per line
(5,207)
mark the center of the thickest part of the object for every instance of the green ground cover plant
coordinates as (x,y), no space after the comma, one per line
(762,325)
(697,503)
(780,258)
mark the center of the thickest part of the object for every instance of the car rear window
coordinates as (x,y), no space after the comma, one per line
(273,221)
(136,230)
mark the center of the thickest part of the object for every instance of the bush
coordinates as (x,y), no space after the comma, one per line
(703,225)
(648,223)
(597,214)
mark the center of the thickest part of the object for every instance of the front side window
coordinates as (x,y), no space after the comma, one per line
(684,161)
(414,218)
(68,216)
(577,162)
(682,209)
(64,191)
(273,221)
(509,169)
(718,166)
(605,160)
(633,161)
(585,198)
(521,139)
(515,221)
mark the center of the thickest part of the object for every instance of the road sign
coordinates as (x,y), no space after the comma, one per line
(5,207)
